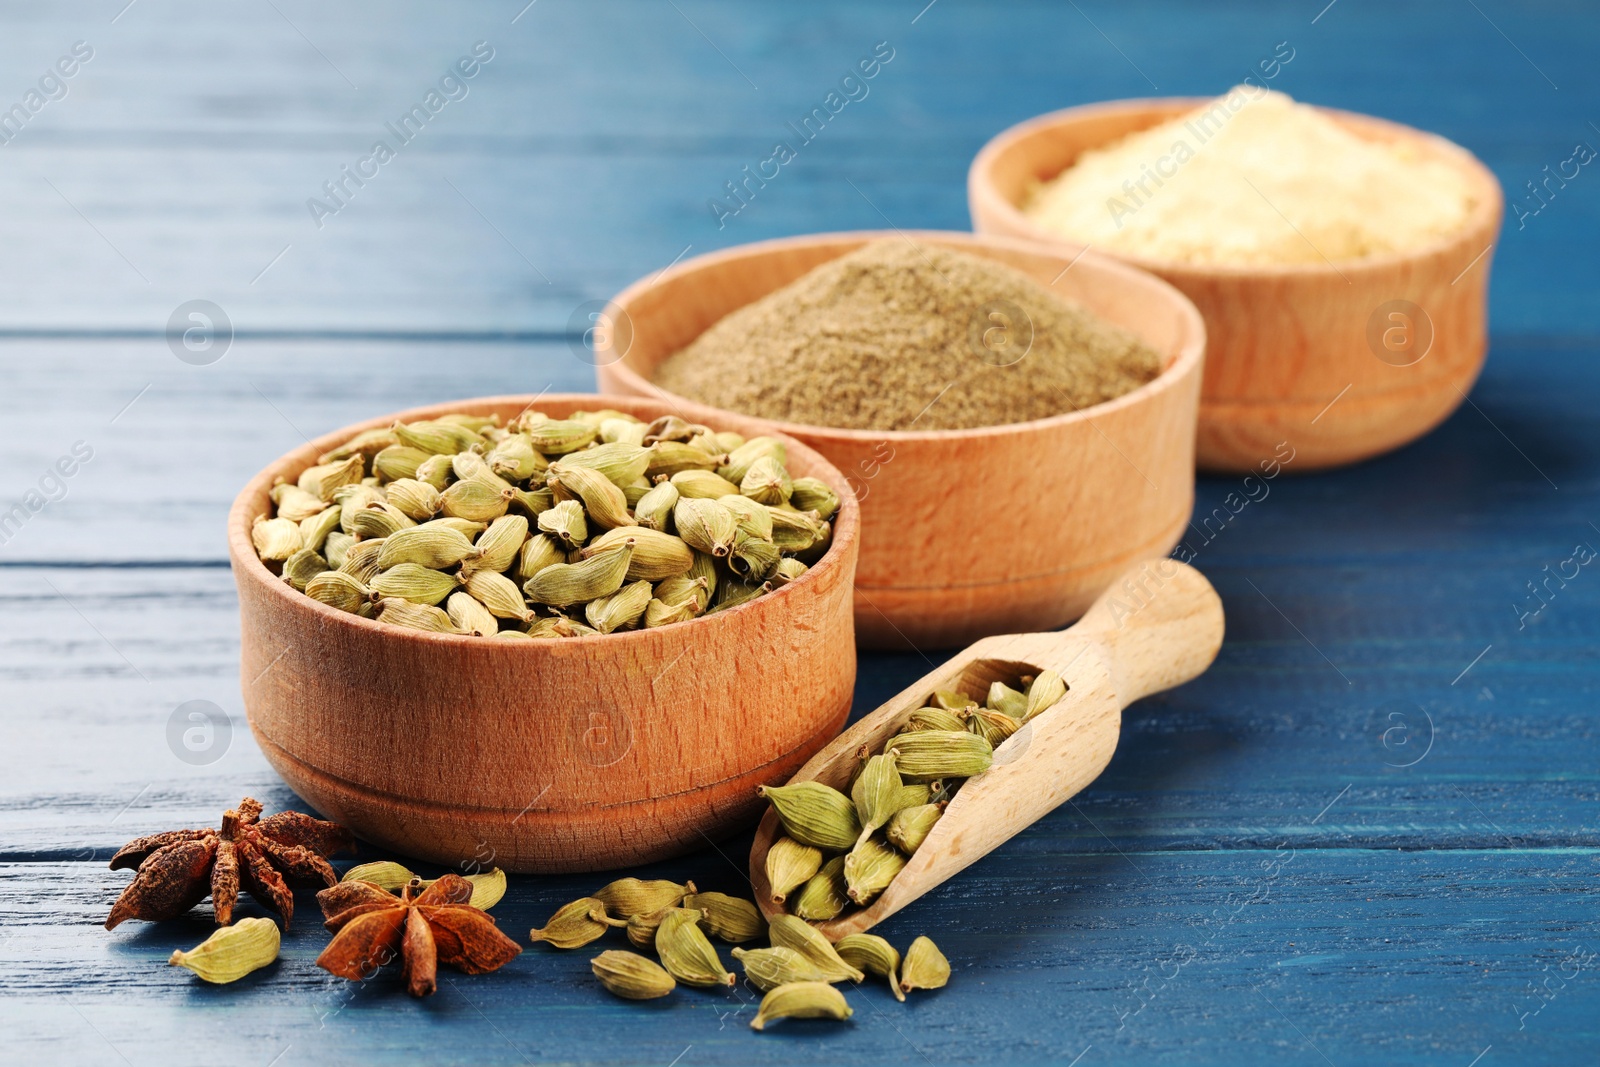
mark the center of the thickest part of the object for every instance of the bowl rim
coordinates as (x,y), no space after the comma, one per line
(1190,354)
(1484,216)
(247,565)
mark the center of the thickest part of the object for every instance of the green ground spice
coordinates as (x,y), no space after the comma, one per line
(899,336)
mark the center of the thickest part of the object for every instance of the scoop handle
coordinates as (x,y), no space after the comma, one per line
(1160,625)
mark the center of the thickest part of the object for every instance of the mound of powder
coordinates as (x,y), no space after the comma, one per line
(900,336)
(1253,178)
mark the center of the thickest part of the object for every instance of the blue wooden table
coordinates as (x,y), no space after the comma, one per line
(1367,835)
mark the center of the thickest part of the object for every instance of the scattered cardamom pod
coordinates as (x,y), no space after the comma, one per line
(815,814)
(874,955)
(634,896)
(727,918)
(631,976)
(687,954)
(769,968)
(232,951)
(641,929)
(789,931)
(790,864)
(801,1000)
(925,967)
(385,874)
(575,925)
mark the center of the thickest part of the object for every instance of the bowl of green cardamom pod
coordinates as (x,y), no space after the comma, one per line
(554,633)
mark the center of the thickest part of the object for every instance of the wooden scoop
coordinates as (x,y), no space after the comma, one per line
(1158,626)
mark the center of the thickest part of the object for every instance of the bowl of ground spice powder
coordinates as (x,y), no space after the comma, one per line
(1341,262)
(1017,423)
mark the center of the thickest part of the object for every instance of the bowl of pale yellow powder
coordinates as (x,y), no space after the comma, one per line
(1340,261)
(1017,424)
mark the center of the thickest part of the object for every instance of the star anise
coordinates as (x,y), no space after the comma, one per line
(424,927)
(178,868)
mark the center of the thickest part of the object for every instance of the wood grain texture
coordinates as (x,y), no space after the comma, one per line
(1292,352)
(1217,896)
(1158,626)
(1086,493)
(579,754)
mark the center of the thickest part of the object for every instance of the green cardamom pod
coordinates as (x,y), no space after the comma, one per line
(789,931)
(1005,699)
(338,590)
(437,471)
(933,719)
(769,968)
(515,459)
(641,929)
(575,925)
(565,523)
(635,896)
(531,502)
(797,531)
(325,479)
(925,967)
(727,918)
(498,546)
(631,976)
(379,520)
(622,462)
(397,612)
(469,616)
(555,437)
(703,485)
(814,494)
(742,458)
(706,525)
(499,595)
(801,1000)
(929,754)
(622,430)
(294,503)
(787,570)
(398,461)
(385,874)
(1043,692)
(436,436)
(910,826)
(476,423)
(654,509)
(752,518)
(416,499)
(232,951)
(951,700)
(815,814)
(336,547)
(660,613)
(367,443)
(684,587)
(477,499)
(730,594)
(824,895)
(578,583)
(275,539)
(869,868)
(353,499)
(656,555)
(687,954)
(874,955)
(303,566)
(538,552)
(790,865)
(416,583)
(876,793)
(752,558)
(622,610)
(361,561)
(993,726)
(766,482)
(672,457)
(314,529)
(602,498)
(435,547)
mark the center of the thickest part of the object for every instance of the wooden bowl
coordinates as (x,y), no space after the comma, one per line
(966,533)
(1298,354)
(564,755)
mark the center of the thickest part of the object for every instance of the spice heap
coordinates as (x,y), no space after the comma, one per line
(900,336)
(545,528)
(1252,178)
(796,972)
(844,850)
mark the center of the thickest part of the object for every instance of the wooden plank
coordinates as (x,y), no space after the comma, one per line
(162,177)
(1220,957)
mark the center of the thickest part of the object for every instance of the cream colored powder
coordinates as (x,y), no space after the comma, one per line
(1253,179)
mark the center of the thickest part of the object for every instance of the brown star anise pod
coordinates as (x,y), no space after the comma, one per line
(178,868)
(424,927)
